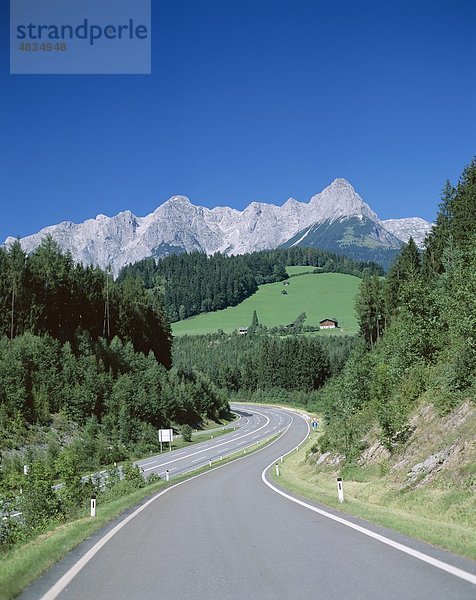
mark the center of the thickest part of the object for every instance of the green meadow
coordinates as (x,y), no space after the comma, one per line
(319,295)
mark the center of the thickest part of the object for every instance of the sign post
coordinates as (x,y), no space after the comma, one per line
(340,489)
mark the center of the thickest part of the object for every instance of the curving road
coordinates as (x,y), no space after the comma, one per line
(227,535)
(252,428)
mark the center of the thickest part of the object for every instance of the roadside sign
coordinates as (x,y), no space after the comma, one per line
(166,435)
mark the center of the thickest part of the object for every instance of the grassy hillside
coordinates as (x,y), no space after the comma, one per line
(299,270)
(318,295)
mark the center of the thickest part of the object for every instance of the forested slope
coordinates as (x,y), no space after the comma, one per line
(72,342)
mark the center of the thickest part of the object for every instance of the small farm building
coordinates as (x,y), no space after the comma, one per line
(328,324)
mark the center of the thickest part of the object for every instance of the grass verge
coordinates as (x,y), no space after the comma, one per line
(424,513)
(28,561)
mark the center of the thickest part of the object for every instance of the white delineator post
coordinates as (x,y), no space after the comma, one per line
(167,475)
(93,507)
(340,489)
(277,470)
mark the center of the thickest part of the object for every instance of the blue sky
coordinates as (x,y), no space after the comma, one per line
(249,101)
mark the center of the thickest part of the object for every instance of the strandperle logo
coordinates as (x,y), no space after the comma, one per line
(80,37)
(84,31)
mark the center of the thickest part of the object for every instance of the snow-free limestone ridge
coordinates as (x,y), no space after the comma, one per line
(335,219)
(404,229)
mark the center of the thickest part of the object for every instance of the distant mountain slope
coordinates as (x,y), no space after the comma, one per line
(177,226)
(357,237)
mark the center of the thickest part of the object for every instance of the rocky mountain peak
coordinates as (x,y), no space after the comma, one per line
(178,225)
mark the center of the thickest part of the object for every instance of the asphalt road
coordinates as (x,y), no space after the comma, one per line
(252,428)
(227,535)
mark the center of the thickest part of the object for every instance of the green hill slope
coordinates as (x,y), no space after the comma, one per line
(318,295)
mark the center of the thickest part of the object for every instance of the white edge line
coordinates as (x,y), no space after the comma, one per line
(63,581)
(439,564)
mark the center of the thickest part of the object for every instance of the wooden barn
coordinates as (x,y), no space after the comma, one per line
(328,324)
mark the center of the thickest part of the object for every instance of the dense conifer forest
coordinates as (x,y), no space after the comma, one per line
(259,361)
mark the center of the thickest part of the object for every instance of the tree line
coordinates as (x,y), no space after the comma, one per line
(261,362)
(195,283)
(45,292)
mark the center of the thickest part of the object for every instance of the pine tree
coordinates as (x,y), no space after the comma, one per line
(254,324)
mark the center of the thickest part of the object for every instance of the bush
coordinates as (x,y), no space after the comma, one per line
(153,478)
(186,433)
(11,529)
(39,503)
(133,475)
(67,467)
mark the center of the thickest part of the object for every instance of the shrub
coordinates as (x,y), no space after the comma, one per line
(186,433)
(133,475)
(39,503)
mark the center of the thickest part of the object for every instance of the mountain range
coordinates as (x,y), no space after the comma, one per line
(336,219)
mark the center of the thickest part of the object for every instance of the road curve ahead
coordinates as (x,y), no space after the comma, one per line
(252,427)
(226,535)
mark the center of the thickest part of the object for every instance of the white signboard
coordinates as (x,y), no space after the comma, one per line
(166,435)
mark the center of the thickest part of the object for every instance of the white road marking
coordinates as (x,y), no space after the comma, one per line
(150,462)
(439,564)
(156,459)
